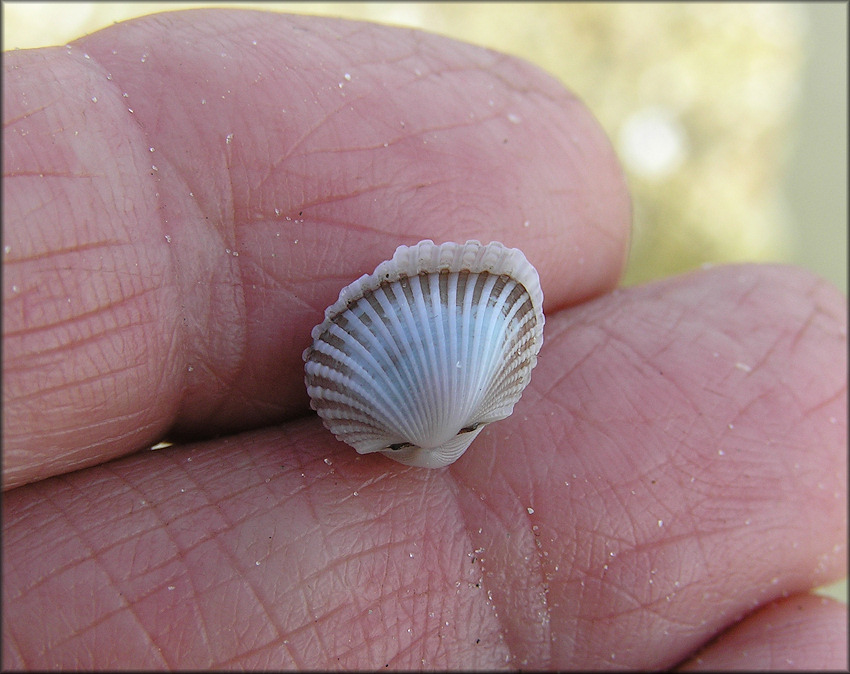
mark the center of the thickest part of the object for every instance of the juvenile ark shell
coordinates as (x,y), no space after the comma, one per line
(415,359)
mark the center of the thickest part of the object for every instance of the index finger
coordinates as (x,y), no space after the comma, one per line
(190,190)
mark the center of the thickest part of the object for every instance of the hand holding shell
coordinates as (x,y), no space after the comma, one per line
(415,359)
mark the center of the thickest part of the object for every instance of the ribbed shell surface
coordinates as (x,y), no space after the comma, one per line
(414,359)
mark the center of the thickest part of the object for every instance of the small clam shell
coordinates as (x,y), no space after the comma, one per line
(415,359)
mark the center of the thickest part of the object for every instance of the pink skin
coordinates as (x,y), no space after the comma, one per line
(676,467)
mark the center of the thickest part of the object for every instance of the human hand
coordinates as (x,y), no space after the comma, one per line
(676,465)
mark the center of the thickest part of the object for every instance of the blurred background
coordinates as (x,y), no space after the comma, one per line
(730,119)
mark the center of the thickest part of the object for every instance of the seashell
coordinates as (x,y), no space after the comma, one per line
(415,359)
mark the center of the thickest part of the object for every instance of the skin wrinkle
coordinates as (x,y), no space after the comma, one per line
(59,571)
(199,615)
(138,580)
(808,324)
(342,608)
(82,318)
(348,227)
(405,656)
(506,628)
(328,118)
(239,363)
(373,188)
(89,386)
(51,357)
(255,591)
(43,435)
(47,174)
(165,168)
(150,504)
(747,638)
(306,581)
(637,627)
(681,392)
(549,341)
(401,591)
(216,540)
(11,122)
(126,289)
(13,652)
(60,293)
(93,556)
(118,546)
(830,400)
(181,550)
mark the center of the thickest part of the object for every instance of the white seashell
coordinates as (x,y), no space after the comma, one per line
(415,359)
